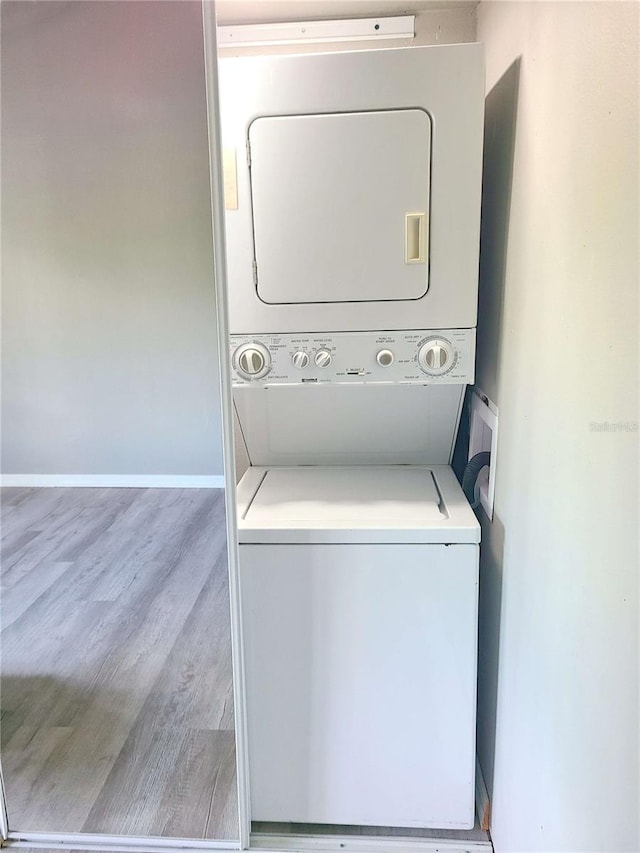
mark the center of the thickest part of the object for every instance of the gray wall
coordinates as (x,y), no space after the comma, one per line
(558,352)
(109,361)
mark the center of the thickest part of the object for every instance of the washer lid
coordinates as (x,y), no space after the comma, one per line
(353,504)
(347,497)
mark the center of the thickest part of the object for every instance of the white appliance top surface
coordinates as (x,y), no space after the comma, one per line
(364,497)
(353,504)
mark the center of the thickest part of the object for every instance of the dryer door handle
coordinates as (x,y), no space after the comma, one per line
(414,242)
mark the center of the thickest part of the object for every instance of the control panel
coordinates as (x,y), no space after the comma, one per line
(417,356)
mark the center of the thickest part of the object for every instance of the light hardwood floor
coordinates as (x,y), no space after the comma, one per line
(116,694)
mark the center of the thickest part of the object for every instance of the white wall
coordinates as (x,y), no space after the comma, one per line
(109,361)
(558,352)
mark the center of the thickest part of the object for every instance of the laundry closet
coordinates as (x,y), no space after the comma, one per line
(423,222)
(353,186)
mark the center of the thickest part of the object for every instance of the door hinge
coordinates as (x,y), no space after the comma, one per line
(255,274)
(248,154)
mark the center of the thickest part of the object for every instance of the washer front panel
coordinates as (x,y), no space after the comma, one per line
(360,668)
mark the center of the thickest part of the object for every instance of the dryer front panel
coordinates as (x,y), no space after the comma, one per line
(353,184)
(340,206)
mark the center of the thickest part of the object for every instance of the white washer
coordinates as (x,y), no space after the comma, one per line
(359,602)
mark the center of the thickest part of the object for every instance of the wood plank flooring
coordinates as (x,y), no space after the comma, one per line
(116,693)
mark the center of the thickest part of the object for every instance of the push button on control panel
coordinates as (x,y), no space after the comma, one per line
(385,358)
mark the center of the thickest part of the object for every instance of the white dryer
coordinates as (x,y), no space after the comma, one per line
(353,185)
(359,605)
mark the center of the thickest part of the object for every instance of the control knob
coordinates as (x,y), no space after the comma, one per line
(323,358)
(385,358)
(300,359)
(435,356)
(252,361)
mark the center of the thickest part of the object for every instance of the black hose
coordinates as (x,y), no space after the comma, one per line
(471,472)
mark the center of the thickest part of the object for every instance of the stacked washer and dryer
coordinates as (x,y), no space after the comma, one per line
(353,205)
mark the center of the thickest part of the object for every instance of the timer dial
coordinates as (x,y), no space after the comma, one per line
(252,361)
(436,356)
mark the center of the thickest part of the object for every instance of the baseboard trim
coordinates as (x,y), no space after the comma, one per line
(483,804)
(124,844)
(113,481)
